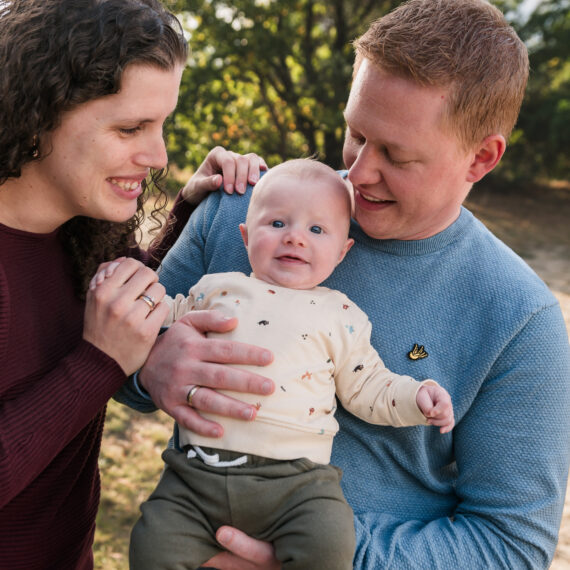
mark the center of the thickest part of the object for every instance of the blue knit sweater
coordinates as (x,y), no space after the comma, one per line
(491,493)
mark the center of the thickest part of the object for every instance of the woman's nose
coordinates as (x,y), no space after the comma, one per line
(153,152)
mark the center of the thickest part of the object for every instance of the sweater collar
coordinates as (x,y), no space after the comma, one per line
(416,247)
(23,234)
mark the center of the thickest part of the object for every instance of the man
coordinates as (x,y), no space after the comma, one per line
(436,92)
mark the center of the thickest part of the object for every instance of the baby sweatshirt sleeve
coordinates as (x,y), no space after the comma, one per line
(365,387)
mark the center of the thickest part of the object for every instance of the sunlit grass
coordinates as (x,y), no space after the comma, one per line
(130,466)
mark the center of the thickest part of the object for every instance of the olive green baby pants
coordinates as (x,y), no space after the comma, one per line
(296,505)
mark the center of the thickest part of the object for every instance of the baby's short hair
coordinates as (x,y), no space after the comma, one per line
(306,169)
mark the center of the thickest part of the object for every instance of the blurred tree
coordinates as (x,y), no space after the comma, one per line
(268,76)
(541,142)
(272,76)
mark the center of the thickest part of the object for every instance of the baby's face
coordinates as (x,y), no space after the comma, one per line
(296,232)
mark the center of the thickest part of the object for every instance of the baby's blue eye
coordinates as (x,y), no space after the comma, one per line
(317,229)
(277,224)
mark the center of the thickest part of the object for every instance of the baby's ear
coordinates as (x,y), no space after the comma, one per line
(349,243)
(243,231)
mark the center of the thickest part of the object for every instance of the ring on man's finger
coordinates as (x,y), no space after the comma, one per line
(148,300)
(190,395)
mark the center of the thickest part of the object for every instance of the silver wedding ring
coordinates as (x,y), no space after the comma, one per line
(148,300)
(190,394)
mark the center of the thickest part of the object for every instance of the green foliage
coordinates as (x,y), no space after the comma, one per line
(542,144)
(272,77)
(268,76)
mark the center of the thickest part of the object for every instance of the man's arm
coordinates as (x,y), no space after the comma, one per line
(512,454)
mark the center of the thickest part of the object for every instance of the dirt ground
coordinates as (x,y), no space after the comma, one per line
(536,224)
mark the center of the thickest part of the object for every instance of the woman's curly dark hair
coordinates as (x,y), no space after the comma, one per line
(58,54)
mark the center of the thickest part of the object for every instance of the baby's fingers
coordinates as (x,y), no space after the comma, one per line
(445,421)
(105,270)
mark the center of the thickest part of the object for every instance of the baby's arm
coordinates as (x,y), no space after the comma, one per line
(375,394)
(435,404)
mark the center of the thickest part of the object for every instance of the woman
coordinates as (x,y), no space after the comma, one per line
(85,89)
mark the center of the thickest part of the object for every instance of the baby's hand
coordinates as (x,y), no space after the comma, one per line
(435,404)
(105,270)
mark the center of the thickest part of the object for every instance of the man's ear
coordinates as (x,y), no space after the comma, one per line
(243,231)
(487,156)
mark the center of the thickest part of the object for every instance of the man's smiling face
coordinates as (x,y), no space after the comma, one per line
(409,175)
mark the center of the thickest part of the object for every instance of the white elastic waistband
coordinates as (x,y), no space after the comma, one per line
(214,459)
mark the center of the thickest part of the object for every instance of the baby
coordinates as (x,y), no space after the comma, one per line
(271,477)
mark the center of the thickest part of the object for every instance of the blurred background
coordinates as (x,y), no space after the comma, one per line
(272,77)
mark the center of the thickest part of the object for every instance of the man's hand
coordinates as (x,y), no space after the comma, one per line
(234,170)
(183,357)
(244,552)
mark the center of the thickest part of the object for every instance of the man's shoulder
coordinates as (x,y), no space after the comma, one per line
(502,268)
(216,226)
(219,204)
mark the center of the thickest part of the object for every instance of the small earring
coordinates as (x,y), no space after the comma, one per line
(35,150)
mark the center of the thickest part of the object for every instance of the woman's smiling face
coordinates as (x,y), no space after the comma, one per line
(95,160)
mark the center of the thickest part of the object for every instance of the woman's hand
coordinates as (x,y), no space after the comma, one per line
(117,320)
(234,170)
(183,357)
(244,552)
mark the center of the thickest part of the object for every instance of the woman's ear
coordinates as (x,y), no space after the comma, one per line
(487,156)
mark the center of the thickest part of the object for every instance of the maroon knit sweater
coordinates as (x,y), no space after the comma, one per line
(53,391)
